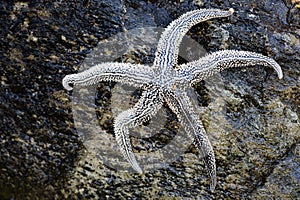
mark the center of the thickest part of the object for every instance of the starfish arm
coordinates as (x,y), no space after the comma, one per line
(168,45)
(146,107)
(220,60)
(185,113)
(132,74)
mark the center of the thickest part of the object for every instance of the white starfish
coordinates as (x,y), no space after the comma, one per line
(166,81)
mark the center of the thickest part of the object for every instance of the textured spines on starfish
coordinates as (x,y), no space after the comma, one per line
(132,74)
(183,109)
(149,103)
(168,46)
(122,138)
(220,60)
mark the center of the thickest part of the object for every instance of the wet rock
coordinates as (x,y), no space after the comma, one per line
(251,117)
(40,41)
(283,182)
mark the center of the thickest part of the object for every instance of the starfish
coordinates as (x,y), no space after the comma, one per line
(166,81)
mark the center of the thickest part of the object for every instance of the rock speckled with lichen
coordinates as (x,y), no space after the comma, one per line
(251,117)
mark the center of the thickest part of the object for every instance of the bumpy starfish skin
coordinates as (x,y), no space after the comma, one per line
(166,81)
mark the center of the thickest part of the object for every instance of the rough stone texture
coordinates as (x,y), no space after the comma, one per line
(251,117)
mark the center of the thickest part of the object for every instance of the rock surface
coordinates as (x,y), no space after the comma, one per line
(251,117)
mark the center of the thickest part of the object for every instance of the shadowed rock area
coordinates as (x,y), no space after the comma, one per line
(251,117)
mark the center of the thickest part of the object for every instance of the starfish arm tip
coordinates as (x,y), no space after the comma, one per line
(213,184)
(139,170)
(66,83)
(231,10)
(278,70)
